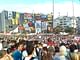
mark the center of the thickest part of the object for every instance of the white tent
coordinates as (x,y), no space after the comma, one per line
(14,31)
(64,33)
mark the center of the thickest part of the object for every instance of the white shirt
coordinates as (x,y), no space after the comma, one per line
(25,55)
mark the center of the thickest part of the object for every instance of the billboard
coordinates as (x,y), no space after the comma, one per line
(28,16)
(38,30)
(44,25)
(32,29)
(49,17)
(38,26)
(10,15)
(37,16)
(17,15)
(26,26)
(49,29)
(43,16)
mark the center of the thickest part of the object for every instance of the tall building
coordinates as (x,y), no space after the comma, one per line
(7,22)
(65,21)
(78,25)
(4,20)
(34,23)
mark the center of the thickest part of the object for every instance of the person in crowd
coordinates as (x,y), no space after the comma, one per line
(61,54)
(39,50)
(5,56)
(73,47)
(50,42)
(74,55)
(17,54)
(46,55)
(79,55)
(30,52)
(79,46)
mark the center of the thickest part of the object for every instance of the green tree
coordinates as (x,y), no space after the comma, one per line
(69,30)
(57,29)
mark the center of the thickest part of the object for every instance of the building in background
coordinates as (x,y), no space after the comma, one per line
(78,25)
(4,21)
(65,21)
(32,23)
(9,21)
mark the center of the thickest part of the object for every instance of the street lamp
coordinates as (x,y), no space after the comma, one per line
(73,17)
(53,9)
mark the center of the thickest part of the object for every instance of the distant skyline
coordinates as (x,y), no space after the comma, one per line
(42,6)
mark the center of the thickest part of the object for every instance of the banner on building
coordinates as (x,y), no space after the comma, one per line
(38,30)
(26,26)
(37,16)
(28,16)
(17,15)
(50,17)
(32,29)
(43,16)
(38,24)
(10,15)
(13,21)
(17,21)
(44,25)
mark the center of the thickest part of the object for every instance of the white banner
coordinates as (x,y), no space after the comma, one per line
(10,15)
(38,30)
(38,26)
(44,25)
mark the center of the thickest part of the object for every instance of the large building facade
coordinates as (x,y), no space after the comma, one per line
(65,21)
(78,25)
(8,21)
(32,23)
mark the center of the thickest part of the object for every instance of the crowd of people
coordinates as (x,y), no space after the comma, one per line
(22,49)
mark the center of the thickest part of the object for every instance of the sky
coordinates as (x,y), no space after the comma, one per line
(64,7)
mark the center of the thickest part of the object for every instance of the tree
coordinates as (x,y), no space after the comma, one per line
(57,29)
(69,30)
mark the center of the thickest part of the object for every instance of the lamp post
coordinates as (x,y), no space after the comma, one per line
(73,17)
(53,14)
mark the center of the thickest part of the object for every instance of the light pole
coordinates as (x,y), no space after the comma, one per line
(53,14)
(73,16)
(73,8)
